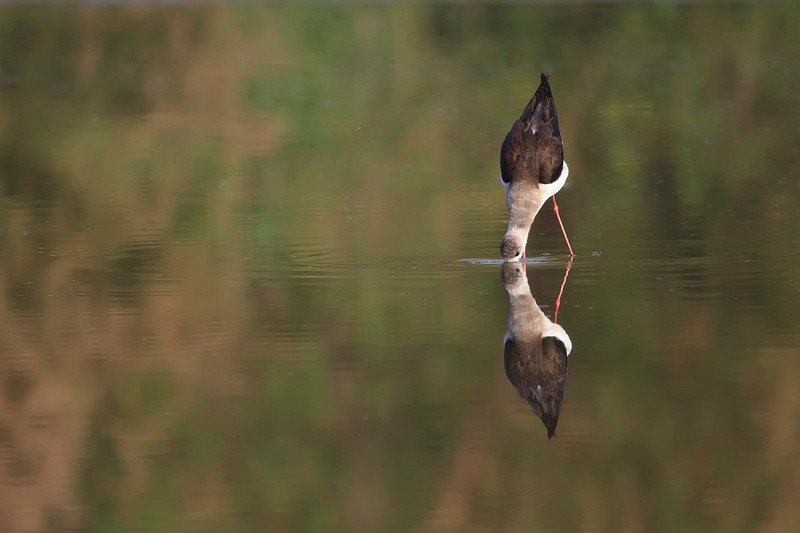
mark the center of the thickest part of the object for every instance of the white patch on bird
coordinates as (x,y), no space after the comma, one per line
(555,330)
(553,188)
(504,184)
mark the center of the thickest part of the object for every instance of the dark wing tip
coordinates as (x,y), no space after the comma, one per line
(544,86)
(542,97)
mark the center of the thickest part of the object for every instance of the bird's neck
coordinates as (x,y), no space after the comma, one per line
(525,317)
(524,202)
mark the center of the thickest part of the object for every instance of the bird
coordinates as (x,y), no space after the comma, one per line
(532,169)
(535,349)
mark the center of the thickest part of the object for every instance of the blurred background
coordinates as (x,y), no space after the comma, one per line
(249,277)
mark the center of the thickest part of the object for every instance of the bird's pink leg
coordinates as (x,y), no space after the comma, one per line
(563,231)
(561,290)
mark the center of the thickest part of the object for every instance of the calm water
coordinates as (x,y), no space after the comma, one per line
(249,273)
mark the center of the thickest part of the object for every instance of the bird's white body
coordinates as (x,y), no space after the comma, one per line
(524,201)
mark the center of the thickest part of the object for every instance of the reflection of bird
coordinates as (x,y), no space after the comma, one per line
(532,169)
(535,350)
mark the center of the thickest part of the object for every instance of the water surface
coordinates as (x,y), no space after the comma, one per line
(250,280)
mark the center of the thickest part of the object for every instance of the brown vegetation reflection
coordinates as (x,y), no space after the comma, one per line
(229,291)
(535,349)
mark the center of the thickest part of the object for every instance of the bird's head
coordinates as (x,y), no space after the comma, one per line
(512,246)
